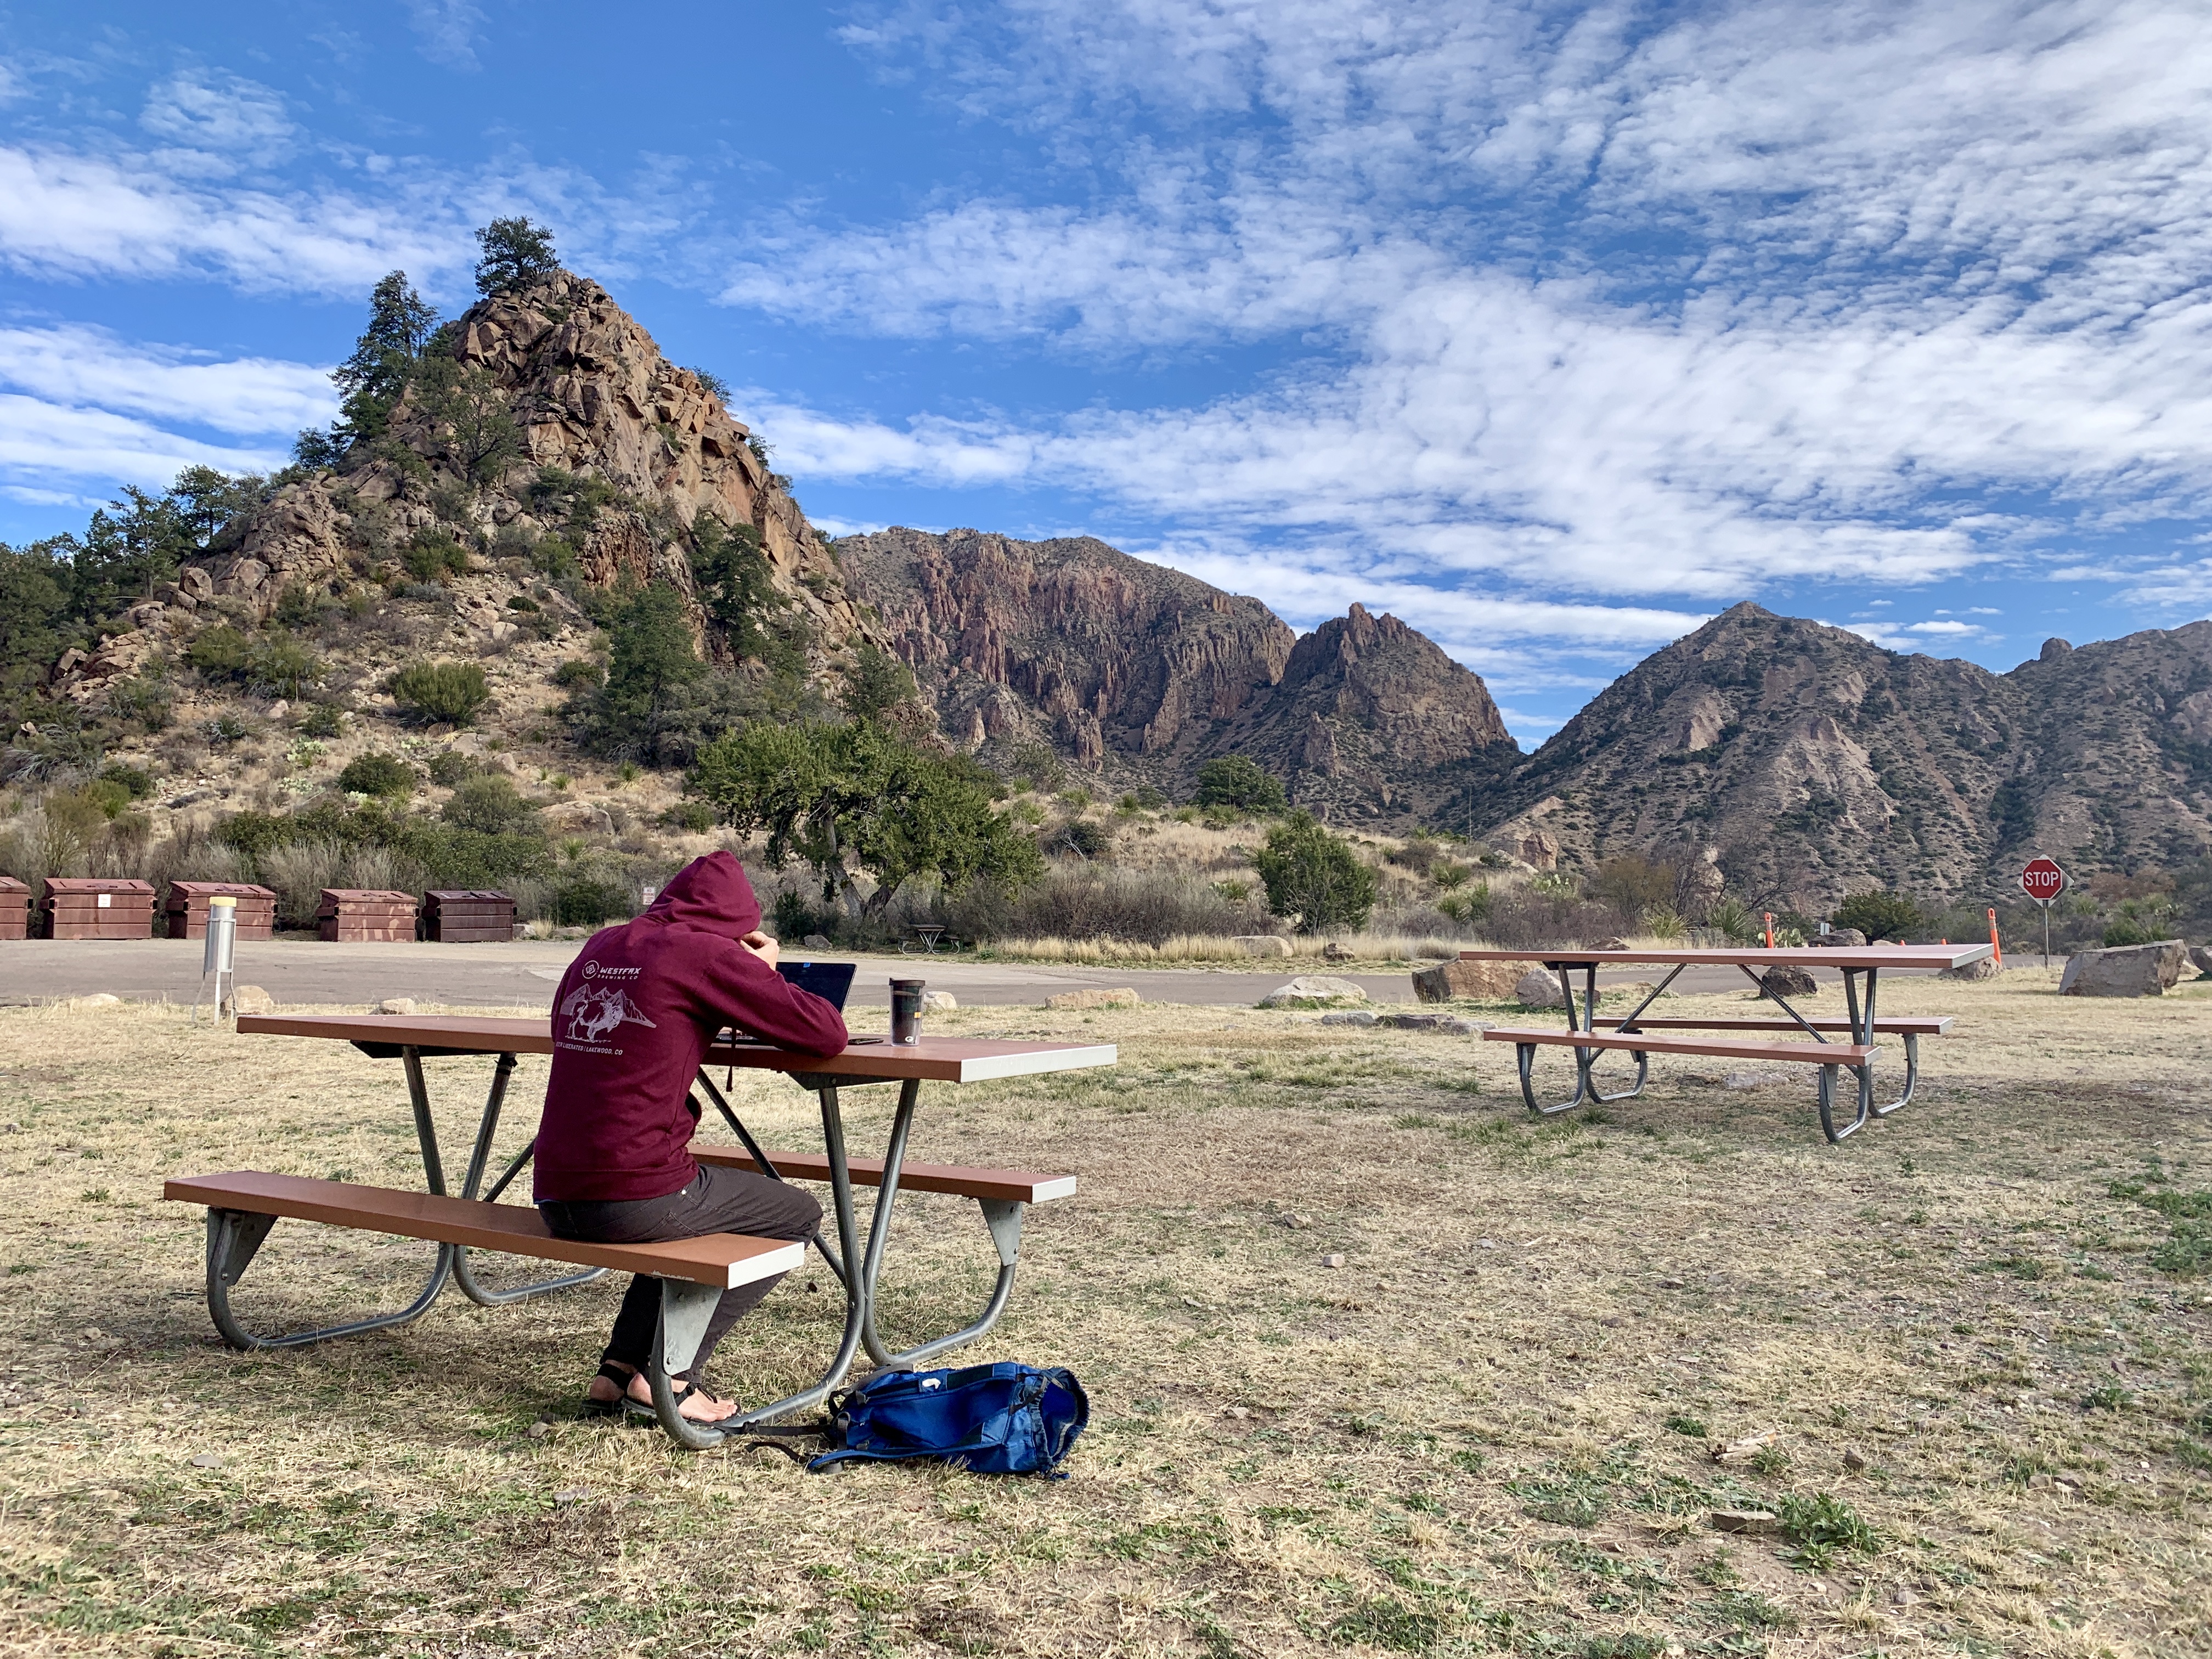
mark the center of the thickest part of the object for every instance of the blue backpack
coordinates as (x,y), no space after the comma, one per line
(995,1419)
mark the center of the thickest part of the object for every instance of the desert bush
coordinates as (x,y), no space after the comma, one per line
(449,693)
(1540,913)
(1879,915)
(378,774)
(1315,877)
(1088,901)
(450,768)
(1239,782)
(578,671)
(586,899)
(490,804)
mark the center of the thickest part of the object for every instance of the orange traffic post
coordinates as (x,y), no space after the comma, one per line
(1996,943)
(1770,930)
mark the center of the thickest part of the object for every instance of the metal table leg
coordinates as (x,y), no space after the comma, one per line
(479,1155)
(1860,1033)
(685,1308)
(236,1237)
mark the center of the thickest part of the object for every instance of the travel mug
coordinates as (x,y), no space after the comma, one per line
(905,1010)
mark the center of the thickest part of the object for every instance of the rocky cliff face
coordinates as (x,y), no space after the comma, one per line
(1140,674)
(586,390)
(1814,763)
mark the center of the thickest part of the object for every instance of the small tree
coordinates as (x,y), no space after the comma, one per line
(516,253)
(1879,915)
(1240,782)
(737,588)
(448,692)
(377,774)
(490,804)
(652,669)
(857,800)
(400,323)
(876,684)
(1314,877)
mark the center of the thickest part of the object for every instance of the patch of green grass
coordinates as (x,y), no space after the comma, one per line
(1381,1622)
(1692,1426)
(2110,1398)
(1822,1524)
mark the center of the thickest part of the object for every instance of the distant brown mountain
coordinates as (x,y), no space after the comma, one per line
(1813,762)
(1141,673)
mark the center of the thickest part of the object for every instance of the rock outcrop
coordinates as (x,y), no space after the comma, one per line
(1139,673)
(2124,971)
(1809,763)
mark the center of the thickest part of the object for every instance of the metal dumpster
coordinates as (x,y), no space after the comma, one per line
(14,908)
(187,908)
(96,907)
(365,915)
(455,915)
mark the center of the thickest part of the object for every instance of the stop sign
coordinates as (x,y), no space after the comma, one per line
(2042,880)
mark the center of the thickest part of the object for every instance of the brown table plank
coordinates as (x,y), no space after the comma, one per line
(1824,1053)
(1868,956)
(1018,1186)
(723,1258)
(937,1059)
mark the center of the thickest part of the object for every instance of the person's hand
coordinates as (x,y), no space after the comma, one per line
(761,946)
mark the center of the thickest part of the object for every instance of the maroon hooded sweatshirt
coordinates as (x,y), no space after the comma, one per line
(634,1015)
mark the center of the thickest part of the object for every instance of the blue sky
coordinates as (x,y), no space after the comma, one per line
(1553,329)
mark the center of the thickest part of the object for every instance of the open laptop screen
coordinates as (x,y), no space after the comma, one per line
(830,981)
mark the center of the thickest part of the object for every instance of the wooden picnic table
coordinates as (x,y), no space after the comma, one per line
(243,1205)
(1857,1055)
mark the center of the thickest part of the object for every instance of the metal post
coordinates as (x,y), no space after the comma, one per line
(219,956)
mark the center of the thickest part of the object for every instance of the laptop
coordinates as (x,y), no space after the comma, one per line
(830,981)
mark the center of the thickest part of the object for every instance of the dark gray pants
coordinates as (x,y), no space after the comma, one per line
(716,1201)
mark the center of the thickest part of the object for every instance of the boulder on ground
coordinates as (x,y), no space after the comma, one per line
(1611,944)
(1440,1024)
(1351,1017)
(394,1006)
(1263,944)
(1538,989)
(1787,981)
(1984,968)
(1312,988)
(938,1002)
(1121,997)
(1484,982)
(1839,938)
(1333,951)
(98,999)
(816,942)
(2124,971)
(2201,957)
(251,999)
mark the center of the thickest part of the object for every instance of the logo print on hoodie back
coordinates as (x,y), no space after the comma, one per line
(594,1011)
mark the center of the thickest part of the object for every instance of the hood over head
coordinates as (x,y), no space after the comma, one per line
(711,894)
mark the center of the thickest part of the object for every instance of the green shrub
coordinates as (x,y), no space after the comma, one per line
(1315,877)
(139,782)
(588,901)
(433,556)
(450,768)
(1881,916)
(322,719)
(2127,931)
(283,664)
(490,804)
(1238,780)
(112,799)
(377,774)
(220,652)
(522,602)
(440,692)
(697,816)
(578,672)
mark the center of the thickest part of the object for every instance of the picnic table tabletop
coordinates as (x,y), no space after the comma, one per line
(933,1060)
(1794,956)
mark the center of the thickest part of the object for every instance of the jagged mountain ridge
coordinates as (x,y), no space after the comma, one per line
(1140,673)
(1813,762)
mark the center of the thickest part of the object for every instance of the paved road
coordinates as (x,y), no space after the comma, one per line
(524,973)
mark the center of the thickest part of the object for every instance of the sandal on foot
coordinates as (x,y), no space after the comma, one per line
(616,1375)
(684,1391)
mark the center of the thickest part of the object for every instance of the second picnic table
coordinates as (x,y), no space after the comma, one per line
(243,1205)
(1642,1038)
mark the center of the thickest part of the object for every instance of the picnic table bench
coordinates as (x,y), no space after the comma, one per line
(1642,1038)
(244,1205)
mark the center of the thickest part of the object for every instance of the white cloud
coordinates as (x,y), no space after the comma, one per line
(447,31)
(72,364)
(72,214)
(47,447)
(216,111)
(1948,628)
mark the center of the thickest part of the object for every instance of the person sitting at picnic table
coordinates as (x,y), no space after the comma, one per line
(631,1023)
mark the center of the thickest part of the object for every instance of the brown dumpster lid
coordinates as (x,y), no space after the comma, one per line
(362,899)
(9,885)
(99,884)
(212,889)
(469,896)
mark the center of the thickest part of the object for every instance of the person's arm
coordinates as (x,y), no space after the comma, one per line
(744,990)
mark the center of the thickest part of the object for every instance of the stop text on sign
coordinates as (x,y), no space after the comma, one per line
(2042,880)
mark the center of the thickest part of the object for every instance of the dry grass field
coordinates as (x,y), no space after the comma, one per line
(1968,1348)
